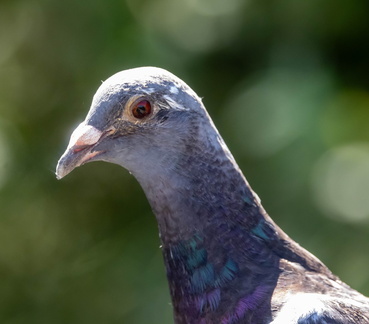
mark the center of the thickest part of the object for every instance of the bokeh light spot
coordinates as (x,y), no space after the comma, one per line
(192,25)
(275,111)
(341,182)
(21,19)
(215,8)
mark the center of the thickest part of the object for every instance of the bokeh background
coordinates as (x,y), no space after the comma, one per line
(286,82)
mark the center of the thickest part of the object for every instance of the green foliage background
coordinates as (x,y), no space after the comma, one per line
(286,83)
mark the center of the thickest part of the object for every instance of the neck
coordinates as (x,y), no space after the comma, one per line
(221,249)
(200,194)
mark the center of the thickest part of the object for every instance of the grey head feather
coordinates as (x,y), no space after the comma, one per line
(150,81)
(162,150)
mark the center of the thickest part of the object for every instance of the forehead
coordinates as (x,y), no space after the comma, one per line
(155,83)
(147,80)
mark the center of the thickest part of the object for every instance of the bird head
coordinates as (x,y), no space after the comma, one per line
(139,118)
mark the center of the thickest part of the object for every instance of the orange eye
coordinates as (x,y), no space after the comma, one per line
(141,109)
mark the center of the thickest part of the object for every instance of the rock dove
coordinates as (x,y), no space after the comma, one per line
(227,262)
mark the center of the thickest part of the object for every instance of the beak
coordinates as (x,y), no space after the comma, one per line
(79,150)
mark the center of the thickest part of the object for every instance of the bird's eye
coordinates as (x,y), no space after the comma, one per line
(141,109)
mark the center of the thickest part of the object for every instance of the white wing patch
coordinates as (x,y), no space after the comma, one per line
(300,305)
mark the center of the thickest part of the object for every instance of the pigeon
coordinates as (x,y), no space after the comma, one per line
(226,260)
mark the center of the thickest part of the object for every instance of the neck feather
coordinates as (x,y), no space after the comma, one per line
(221,250)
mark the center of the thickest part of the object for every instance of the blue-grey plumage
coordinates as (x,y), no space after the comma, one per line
(227,262)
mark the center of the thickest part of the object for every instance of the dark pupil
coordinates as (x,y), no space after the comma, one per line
(141,111)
